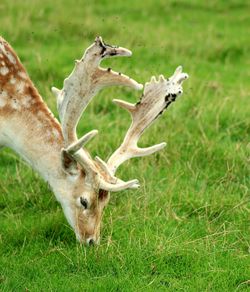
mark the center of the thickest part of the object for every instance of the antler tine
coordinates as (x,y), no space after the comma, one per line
(119,186)
(74,147)
(157,96)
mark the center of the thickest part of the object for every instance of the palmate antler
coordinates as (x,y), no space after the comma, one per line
(157,96)
(80,87)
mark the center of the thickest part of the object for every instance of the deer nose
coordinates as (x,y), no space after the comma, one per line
(90,241)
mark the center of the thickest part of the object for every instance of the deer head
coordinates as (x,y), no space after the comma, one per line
(94,178)
(82,184)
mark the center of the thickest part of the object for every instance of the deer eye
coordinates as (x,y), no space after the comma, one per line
(84,202)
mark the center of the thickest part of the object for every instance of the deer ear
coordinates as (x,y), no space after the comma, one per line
(69,165)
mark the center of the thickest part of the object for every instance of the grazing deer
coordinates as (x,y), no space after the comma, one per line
(80,183)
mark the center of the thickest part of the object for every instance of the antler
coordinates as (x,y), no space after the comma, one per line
(157,96)
(79,88)
(86,79)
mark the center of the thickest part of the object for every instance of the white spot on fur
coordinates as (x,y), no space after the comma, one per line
(2,48)
(12,80)
(25,101)
(11,58)
(7,53)
(15,104)
(3,63)
(3,98)
(20,86)
(22,74)
(4,70)
(2,102)
(3,94)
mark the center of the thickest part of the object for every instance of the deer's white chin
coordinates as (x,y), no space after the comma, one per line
(69,214)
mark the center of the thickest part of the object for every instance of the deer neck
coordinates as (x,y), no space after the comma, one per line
(26,124)
(36,137)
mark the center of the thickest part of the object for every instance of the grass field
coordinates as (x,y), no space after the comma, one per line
(187,227)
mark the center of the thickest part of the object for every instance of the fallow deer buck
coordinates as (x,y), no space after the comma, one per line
(80,183)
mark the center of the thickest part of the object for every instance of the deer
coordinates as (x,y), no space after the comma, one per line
(81,184)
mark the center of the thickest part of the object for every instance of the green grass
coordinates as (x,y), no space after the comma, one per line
(187,228)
